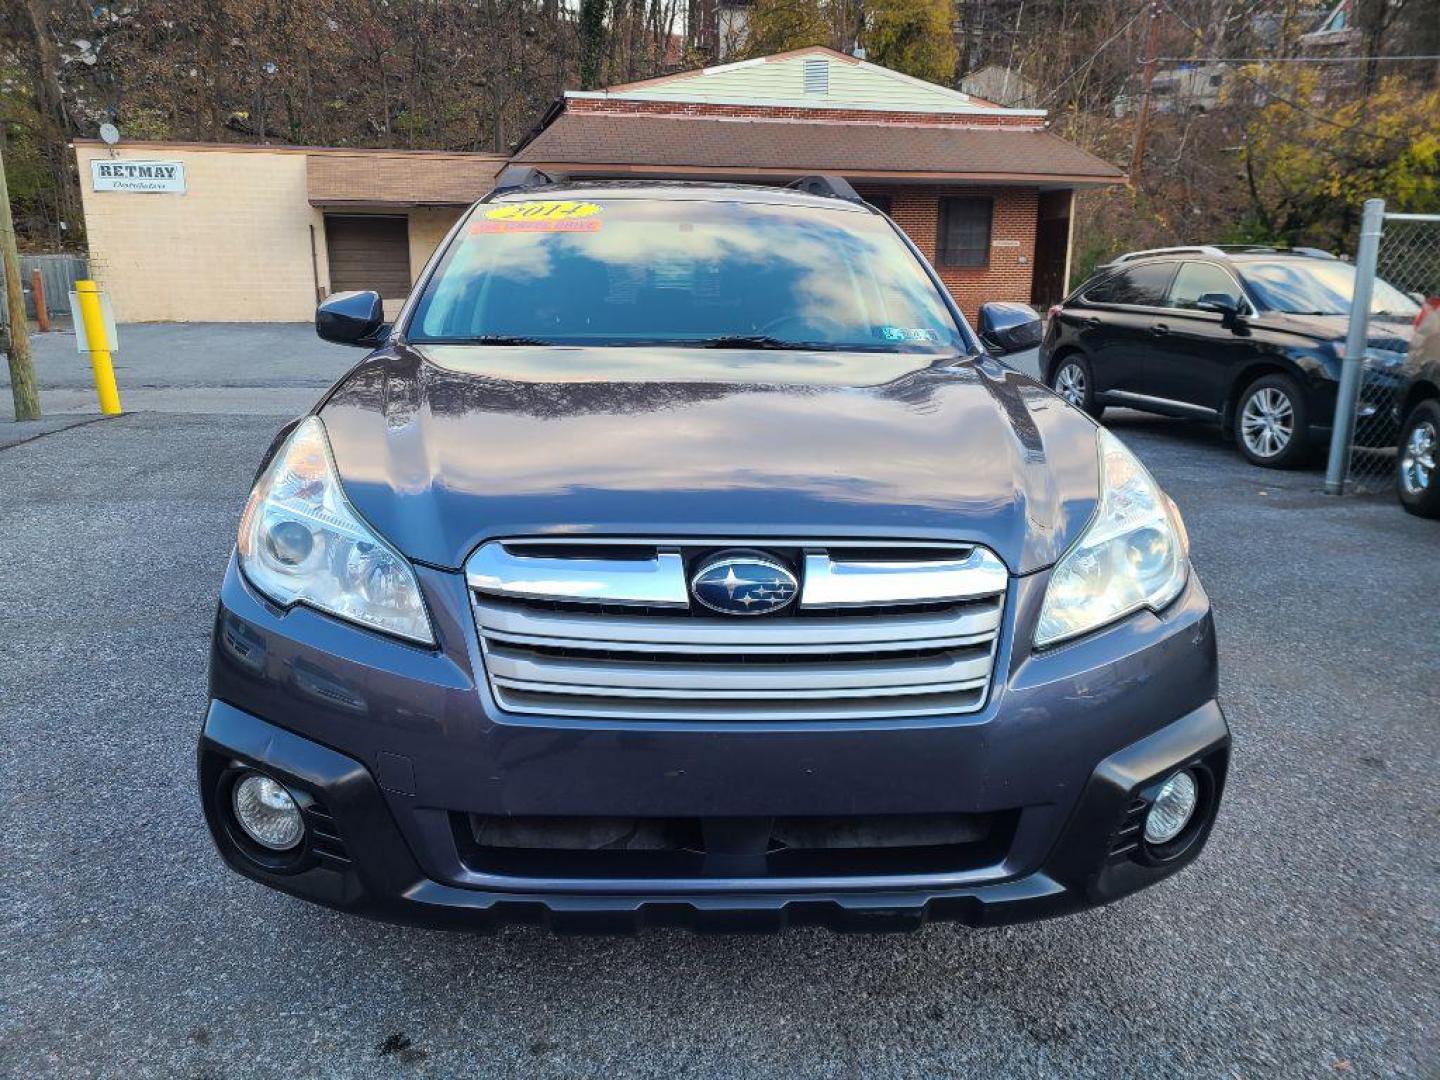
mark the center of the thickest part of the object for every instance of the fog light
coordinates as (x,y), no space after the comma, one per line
(1172,809)
(267,812)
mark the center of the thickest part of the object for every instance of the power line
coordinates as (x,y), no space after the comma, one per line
(1090,61)
(1284,59)
(1360,128)
(1349,129)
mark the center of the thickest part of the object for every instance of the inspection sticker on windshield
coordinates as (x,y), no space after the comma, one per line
(921,334)
(553,215)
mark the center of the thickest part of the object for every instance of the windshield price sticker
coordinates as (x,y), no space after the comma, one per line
(549,216)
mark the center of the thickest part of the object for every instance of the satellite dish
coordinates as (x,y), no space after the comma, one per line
(109,134)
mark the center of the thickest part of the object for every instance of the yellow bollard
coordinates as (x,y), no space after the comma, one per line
(89,295)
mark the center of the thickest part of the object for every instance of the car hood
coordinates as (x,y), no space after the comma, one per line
(1387,335)
(443,447)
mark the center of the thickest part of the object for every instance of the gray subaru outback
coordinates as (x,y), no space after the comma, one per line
(679,555)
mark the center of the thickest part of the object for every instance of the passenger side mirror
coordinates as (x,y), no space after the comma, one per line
(1009,328)
(352,318)
(1222,304)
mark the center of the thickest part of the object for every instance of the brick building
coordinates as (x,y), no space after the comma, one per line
(984,191)
(223,232)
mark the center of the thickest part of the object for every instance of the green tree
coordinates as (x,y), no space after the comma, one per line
(592,43)
(1309,167)
(778,25)
(912,36)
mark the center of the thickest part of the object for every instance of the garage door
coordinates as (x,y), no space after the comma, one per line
(369,253)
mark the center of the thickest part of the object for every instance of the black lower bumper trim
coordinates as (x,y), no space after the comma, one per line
(384,881)
(1032,897)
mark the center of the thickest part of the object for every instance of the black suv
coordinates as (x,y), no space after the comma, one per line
(1251,337)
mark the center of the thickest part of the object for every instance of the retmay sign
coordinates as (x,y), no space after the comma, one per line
(112,174)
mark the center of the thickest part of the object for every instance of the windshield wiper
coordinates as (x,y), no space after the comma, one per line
(503,339)
(748,341)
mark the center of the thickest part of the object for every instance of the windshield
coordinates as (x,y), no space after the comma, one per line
(1320,288)
(718,274)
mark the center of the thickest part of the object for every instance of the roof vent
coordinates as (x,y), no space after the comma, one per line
(817,76)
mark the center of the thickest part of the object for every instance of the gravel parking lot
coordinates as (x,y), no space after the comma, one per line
(1303,943)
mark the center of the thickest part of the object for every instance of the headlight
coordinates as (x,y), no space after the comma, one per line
(301,542)
(1131,555)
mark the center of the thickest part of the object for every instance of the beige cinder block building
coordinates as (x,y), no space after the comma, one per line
(228,233)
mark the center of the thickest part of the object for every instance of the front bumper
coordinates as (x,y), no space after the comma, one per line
(385,744)
(355,858)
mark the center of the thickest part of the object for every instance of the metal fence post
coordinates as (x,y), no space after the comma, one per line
(1342,430)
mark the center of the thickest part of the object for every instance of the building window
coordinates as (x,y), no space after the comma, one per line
(879,202)
(817,76)
(965,232)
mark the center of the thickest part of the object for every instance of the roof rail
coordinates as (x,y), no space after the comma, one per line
(1222,249)
(1192,249)
(521,177)
(1276,249)
(836,187)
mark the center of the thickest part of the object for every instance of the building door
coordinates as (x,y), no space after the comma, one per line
(369,252)
(1052,249)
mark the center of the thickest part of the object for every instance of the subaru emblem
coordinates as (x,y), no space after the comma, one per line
(741,583)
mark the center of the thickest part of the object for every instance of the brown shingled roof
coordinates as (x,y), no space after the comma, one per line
(399,178)
(607,142)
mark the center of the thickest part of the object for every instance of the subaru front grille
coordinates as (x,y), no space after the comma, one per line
(609,629)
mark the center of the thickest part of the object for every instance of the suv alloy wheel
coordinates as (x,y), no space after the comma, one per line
(1272,423)
(1415,479)
(1073,382)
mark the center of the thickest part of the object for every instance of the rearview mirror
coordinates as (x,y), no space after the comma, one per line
(1222,304)
(1009,327)
(352,318)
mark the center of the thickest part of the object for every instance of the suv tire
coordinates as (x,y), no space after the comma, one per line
(1272,423)
(1073,381)
(1416,481)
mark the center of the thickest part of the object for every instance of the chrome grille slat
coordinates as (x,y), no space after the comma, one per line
(926,646)
(971,622)
(928,672)
(576,690)
(853,583)
(772,711)
(654,581)
(861,647)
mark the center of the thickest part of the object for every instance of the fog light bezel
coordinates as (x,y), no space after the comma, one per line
(1195,828)
(290,860)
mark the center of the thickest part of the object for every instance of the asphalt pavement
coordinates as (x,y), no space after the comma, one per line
(1304,942)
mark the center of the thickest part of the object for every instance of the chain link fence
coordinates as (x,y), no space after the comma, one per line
(1398,264)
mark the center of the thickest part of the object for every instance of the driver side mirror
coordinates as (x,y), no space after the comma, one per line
(1223,304)
(1009,328)
(352,318)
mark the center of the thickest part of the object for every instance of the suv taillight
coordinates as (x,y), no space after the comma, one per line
(1054,310)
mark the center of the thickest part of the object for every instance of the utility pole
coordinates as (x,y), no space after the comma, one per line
(1141,118)
(15,336)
